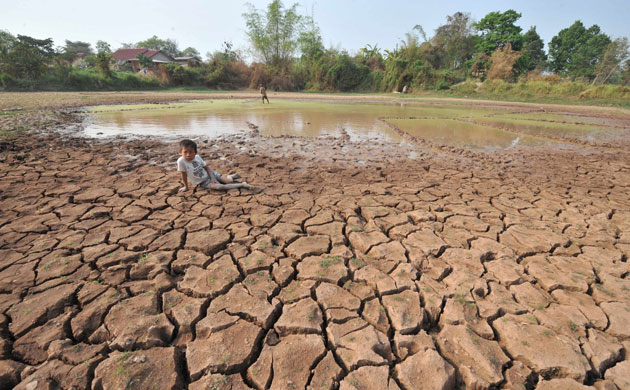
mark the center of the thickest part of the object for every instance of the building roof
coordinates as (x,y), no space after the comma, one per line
(127,54)
(151,53)
(132,54)
(187,59)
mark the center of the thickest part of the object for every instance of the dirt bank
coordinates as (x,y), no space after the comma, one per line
(358,265)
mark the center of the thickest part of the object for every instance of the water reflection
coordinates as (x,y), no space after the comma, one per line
(458,133)
(360,121)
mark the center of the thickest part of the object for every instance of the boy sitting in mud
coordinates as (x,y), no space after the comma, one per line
(194,168)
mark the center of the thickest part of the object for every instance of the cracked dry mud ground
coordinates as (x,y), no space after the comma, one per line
(449,271)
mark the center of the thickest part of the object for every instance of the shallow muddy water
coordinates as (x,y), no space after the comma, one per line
(464,134)
(469,126)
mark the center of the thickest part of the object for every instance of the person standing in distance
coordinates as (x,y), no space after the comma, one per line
(263,93)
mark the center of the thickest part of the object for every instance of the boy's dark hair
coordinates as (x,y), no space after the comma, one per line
(187,143)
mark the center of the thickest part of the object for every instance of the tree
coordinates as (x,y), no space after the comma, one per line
(576,51)
(502,65)
(103,60)
(144,61)
(103,47)
(6,43)
(497,30)
(27,57)
(274,35)
(345,75)
(616,53)
(190,52)
(533,51)
(72,48)
(310,40)
(625,73)
(456,40)
(168,46)
(371,57)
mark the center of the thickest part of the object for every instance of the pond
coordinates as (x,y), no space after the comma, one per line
(471,126)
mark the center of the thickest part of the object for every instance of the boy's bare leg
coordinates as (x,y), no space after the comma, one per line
(229,186)
(229,178)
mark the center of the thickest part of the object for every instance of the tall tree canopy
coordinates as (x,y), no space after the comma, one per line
(103,47)
(310,39)
(6,43)
(576,51)
(533,52)
(190,52)
(497,30)
(456,39)
(274,34)
(26,57)
(611,65)
(72,48)
(166,45)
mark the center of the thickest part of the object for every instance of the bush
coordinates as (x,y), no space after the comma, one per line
(182,75)
(259,75)
(606,92)
(442,84)
(345,75)
(495,87)
(7,81)
(467,88)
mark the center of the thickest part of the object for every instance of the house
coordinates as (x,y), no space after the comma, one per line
(188,61)
(79,61)
(128,58)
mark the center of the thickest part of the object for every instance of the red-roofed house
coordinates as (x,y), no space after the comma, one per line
(128,58)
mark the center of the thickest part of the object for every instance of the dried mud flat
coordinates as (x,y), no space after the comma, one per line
(355,267)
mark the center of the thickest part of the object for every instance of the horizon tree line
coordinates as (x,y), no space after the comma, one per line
(289,54)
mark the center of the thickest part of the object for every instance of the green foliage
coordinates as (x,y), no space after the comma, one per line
(497,30)
(77,79)
(166,45)
(576,51)
(6,43)
(545,88)
(144,61)
(72,48)
(103,59)
(413,64)
(456,40)
(611,65)
(190,52)
(274,34)
(103,47)
(345,75)
(371,57)
(225,69)
(533,52)
(310,40)
(26,57)
(292,57)
(7,81)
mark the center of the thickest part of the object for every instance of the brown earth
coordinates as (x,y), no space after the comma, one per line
(351,266)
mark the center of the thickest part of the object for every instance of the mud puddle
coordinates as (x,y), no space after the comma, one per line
(471,127)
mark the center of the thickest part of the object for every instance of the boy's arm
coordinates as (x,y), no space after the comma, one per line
(184,181)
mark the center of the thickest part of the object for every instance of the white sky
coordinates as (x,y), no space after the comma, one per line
(345,24)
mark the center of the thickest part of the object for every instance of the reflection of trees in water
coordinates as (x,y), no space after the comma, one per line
(450,124)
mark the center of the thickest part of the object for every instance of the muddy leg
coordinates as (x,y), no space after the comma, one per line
(229,178)
(218,186)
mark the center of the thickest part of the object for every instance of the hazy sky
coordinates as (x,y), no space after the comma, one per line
(346,24)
